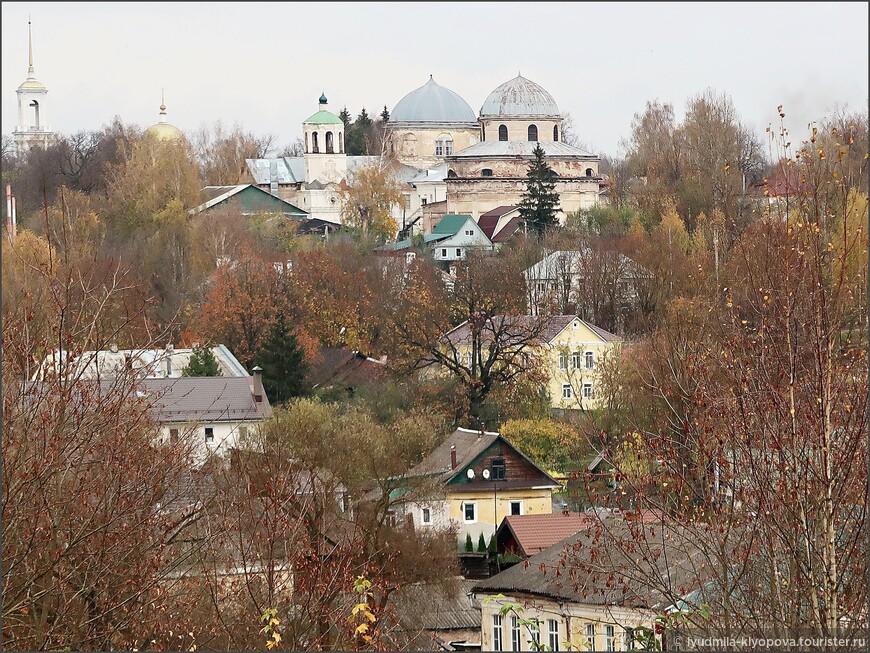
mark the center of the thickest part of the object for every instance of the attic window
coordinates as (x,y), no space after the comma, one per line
(486,172)
(209,434)
(498,469)
(576,325)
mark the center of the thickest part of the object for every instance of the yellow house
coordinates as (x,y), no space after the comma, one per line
(585,594)
(574,358)
(569,350)
(478,478)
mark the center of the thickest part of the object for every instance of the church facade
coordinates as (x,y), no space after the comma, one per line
(479,163)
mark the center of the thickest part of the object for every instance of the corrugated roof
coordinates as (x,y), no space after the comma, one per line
(607,573)
(199,399)
(508,230)
(534,533)
(519,97)
(499,211)
(429,606)
(450,224)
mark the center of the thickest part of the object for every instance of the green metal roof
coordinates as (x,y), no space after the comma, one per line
(450,224)
(324,118)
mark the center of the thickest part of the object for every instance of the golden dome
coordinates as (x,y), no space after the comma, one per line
(163,130)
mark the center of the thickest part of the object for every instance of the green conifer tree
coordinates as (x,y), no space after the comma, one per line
(202,362)
(540,201)
(492,546)
(481,544)
(283,363)
(469,545)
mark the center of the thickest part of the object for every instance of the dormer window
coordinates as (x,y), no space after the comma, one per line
(498,469)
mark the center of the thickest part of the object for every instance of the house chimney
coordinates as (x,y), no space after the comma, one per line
(258,384)
(169,351)
(273,177)
(452,456)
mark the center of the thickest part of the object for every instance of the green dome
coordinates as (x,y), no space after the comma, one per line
(323,118)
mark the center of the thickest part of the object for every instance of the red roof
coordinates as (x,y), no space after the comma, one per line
(534,533)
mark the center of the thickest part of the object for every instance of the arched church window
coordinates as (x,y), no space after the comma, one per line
(589,172)
(451,174)
(533,132)
(409,145)
(486,172)
(35,106)
(315,149)
(556,133)
(502,132)
(330,149)
(340,143)
(306,143)
(444,145)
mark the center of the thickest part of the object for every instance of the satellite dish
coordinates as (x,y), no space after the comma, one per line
(486,474)
(470,473)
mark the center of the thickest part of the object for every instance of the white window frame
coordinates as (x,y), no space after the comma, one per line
(209,438)
(473,504)
(443,252)
(590,360)
(567,391)
(458,252)
(511,507)
(553,634)
(609,637)
(563,361)
(174,435)
(576,360)
(497,633)
(589,635)
(516,639)
(423,520)
(588,391)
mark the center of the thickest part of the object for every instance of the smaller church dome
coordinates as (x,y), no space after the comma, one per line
(31,84)
(432,103)
(162,130)
(520,97)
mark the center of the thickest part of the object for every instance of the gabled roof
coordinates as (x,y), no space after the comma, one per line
(213,195)
(344,367)
(508,230)
(450,224)
(468,446)
(534,533)
(519,327)
(610,574)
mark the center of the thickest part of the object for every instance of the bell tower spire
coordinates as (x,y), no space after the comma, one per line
(29,48)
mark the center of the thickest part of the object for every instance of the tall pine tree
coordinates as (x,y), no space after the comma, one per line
(540,201)
(283,363)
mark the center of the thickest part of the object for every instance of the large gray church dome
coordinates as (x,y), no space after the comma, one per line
(432,103)
(519,97)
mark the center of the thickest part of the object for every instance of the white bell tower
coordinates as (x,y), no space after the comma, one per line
(33,129)
(325,160)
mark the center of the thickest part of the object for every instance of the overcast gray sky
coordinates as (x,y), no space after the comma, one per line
(264,65)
